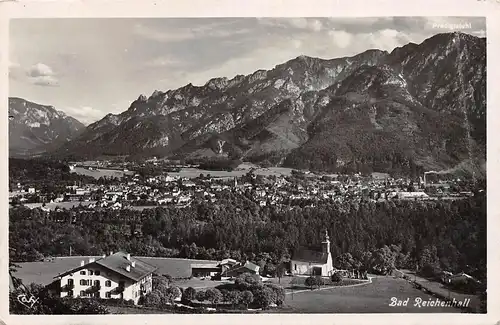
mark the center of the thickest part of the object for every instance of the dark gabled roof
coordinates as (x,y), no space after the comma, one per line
(248,265)
(118,263)
(306,255)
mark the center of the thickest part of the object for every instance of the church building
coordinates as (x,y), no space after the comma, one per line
(312,263)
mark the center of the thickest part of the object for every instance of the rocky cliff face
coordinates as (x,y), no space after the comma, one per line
(421,106)
(35,128)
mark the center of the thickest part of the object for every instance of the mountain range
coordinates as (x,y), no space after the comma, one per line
(418,107)
(35,128)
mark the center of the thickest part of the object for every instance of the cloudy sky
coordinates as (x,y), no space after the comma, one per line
(91,67)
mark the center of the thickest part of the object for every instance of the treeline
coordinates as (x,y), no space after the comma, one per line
(217,164)
(44,174)
(50,178)
(319,156)
(452,233)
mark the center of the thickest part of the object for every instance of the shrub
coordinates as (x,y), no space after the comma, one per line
(189,294)
(247,281)
(171,294)
(153,299)
(280,293)
(320,281)
(213,295)
(246,298)
(169,278)
(91,307)
(200,296)
(232,297)
(336,277)
(311,282)
(264,297)
(160,283)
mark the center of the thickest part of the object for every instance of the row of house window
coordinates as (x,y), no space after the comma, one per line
(89,294)
(96,272)
(89,282)
(84,282)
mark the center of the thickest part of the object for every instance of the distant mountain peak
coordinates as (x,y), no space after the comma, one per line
(35,128)
(156,93)
(217,83)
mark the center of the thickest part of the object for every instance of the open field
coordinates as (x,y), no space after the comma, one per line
(369,298)
(53,206)
(191,172)
(294,283)
(44,272)
(240,171)
(101,172)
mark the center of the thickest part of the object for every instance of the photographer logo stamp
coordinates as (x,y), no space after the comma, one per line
(28,303)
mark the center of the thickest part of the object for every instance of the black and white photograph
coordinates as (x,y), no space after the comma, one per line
(247,165)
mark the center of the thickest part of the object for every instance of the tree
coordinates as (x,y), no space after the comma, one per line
(270,269)
(247,280)
(200,296)
(213,295)
(153,299)
(367,260)
(264,297)
(429,262)
(160,283)
(233,297)
(280,271)
(246,298)
(320,281)
(169,279)
(337,277)
(171,294)
(189,294)
(345,261)
(280,293)
(383,260)
(311,282)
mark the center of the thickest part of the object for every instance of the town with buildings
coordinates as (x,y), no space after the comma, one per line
(162,189)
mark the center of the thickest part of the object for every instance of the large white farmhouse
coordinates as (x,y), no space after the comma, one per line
(115,276)
(308,262)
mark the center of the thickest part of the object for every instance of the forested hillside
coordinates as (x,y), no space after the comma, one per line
(441,234)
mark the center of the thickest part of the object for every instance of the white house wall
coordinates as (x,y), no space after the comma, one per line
(132,289)
(303,268)
(306,268)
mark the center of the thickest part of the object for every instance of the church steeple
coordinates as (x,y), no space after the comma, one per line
(326,243)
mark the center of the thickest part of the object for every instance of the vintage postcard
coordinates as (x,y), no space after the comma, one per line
(248,161)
